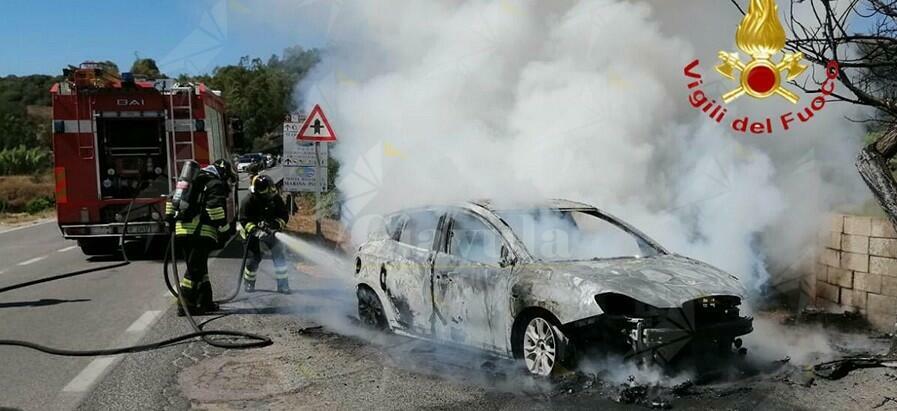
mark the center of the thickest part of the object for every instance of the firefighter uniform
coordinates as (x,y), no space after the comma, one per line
(263,213)
(200,230)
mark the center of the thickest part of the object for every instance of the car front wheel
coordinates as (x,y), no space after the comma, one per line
(545,347)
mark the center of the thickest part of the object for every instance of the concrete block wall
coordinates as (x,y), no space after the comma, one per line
(856,269)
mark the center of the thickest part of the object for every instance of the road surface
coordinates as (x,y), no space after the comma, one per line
(320,359)
(103,309)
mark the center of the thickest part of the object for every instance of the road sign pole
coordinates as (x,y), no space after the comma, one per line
(318,191)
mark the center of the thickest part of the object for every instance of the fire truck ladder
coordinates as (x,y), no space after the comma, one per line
(181,117)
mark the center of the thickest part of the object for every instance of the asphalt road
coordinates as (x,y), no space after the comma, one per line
(96,310)
(321,359)
(103,309)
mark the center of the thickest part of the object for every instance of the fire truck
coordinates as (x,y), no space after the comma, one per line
(120,141)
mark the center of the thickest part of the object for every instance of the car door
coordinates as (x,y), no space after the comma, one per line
(471,283)
(406,276)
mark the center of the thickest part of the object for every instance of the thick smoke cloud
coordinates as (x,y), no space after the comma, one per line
(517,101)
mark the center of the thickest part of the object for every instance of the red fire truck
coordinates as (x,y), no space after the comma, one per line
(118,139)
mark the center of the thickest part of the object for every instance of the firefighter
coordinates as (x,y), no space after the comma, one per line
(262,214)
(202,229)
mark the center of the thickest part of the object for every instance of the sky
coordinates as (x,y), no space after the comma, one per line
(184,36)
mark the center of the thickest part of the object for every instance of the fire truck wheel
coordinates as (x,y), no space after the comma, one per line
(98,246)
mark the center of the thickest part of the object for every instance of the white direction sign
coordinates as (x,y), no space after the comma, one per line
(305,179)
(299,153)
(305,151)
(291,130)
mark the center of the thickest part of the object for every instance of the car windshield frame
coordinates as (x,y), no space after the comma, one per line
(641,238)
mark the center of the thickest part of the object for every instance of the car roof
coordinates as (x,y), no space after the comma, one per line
(493,206)
(556,203)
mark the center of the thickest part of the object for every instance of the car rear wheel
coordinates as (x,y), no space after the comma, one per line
(545,348)
(370,310)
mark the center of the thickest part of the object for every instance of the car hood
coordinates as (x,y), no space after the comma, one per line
(663,281)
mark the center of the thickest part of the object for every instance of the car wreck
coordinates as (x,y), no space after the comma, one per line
(544,283)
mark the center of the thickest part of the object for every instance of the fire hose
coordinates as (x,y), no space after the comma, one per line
(255,340)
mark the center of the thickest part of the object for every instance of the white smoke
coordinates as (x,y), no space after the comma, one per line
(523,100)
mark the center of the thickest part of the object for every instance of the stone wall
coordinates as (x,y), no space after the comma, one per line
(856,269)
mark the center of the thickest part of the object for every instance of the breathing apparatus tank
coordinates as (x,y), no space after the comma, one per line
(180,197)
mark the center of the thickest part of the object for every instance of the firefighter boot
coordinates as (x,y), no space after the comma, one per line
(189,296)
(283,286)
(248,280)
(206,303)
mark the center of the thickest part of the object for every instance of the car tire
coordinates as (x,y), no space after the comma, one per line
(99,246)
(370,310)
(545,348)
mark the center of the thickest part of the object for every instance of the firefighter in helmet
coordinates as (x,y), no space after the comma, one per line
(202,229)
(262,214)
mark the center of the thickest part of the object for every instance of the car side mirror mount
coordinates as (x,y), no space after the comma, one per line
(507,258)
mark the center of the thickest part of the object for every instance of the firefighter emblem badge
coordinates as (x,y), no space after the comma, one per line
(760,35)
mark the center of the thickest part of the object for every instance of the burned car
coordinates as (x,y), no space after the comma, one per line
(543,283)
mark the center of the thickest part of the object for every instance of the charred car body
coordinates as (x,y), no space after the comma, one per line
(541,283)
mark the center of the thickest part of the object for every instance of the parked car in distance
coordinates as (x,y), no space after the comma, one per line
(247,160)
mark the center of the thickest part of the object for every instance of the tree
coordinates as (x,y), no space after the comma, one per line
(146,68)
(259,93)
(867,67)
(16,131)
(109,66)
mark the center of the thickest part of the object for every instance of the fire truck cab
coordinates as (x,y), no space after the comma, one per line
(118,139)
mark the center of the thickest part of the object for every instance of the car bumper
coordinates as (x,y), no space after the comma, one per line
(665,342)
(135,229)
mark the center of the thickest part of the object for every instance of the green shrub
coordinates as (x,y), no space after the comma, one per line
(23,160)
(38,204)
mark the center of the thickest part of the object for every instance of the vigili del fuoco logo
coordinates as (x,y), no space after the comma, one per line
(762,37)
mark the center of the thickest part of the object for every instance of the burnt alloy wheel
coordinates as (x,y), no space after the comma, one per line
(370,310)
(546,350)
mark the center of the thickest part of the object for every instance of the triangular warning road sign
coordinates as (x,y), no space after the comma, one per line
(316,127)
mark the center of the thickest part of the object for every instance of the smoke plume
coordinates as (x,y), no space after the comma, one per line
(516,101)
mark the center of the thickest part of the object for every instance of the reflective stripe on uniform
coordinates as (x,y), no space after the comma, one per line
(281,223)
(216,213)
(248,275)
(250,227)
(169,208)
(223,228)
(186,283)
(188,228)
(280,273)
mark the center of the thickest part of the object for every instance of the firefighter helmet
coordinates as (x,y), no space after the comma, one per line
(226,170)
(263,185)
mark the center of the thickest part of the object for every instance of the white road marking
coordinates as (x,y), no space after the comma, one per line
(28,225)
(33,260)
(69,248)
(144,321)
(85,379)
(95,370)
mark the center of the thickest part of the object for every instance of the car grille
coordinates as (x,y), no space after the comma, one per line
(712,310)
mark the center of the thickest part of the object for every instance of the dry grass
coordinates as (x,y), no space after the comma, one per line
(17,191)
(8,220)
